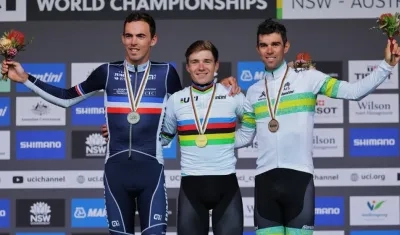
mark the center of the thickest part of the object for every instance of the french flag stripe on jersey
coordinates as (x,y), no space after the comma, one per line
(143,100)
(79,90)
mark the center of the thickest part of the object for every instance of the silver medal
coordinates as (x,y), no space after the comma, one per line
(133,117)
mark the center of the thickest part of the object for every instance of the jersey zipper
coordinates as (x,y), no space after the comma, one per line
(130,125)
(277,145)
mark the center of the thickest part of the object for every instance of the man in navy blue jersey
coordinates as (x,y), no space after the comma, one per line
(134,167)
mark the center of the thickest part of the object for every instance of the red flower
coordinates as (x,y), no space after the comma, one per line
(303,57)
(16,36)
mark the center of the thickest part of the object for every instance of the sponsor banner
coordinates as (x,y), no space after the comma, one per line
(329,211)
(359,69)
(53,74)
(5,110)
(5,86)
(375,232)
(171,150)
(5,145)
(249,72)
(328,142)
(338,177)
(374,142)
(40,213)
(90,213)
(88,144)
(35,111)
(375,108)
(374,210)
(159,9)
(40,144)
(351,177)
(81,71)
(172,216)
(328,232)
(46,233)
(327,9)
(328,110)
(4,213)
(248,211)
(12,10)
(249,151)
(224,71)
(89,112)
(245,178)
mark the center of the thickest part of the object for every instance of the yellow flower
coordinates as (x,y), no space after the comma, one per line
(5,43)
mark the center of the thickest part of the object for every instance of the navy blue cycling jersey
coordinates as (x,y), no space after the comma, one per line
(143,137)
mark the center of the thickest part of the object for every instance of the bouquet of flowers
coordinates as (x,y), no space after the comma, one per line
(11,43)
(303,62)
(389,25)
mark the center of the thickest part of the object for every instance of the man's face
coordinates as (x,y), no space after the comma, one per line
(138,42)
(271,50)
(201,67)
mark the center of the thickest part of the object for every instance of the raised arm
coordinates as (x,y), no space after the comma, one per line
(244,136)
(331,87)
(169,126)
(56,95)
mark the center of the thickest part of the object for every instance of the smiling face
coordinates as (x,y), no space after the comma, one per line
(272,49)
(201,66)
(138,41)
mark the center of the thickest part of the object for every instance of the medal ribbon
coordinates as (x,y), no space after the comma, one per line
(202,128)
(273,112)
(132,100)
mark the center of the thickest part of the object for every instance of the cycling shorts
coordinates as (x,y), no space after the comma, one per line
(200,194)
(135,183)
(284,202)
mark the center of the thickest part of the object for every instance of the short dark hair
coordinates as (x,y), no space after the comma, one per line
(202,45)
(141,16)
(269,26)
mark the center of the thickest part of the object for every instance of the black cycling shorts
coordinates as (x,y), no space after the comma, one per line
(135,182)
(284,198)
(200,194)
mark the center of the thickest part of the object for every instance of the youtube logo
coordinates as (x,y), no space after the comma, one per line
(18,179)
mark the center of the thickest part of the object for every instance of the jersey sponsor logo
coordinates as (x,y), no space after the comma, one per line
(328,110)
(177,9)
(34,111)
(40,145)
(286,89)
(4,213)
(374,142)
(89,112)
(88,213)
(374,210)
(249,72)
(12,10)
(172,217)
(382,107)
(53,74)
(329,211)
(4,111)
(40,213)
(88,144)
(5,145)
(359,69)
(328,142)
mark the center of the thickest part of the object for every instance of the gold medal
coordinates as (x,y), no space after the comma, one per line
(201,141)
(273,125)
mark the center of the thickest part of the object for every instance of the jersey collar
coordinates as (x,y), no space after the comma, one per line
(276,73)
(138,68)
